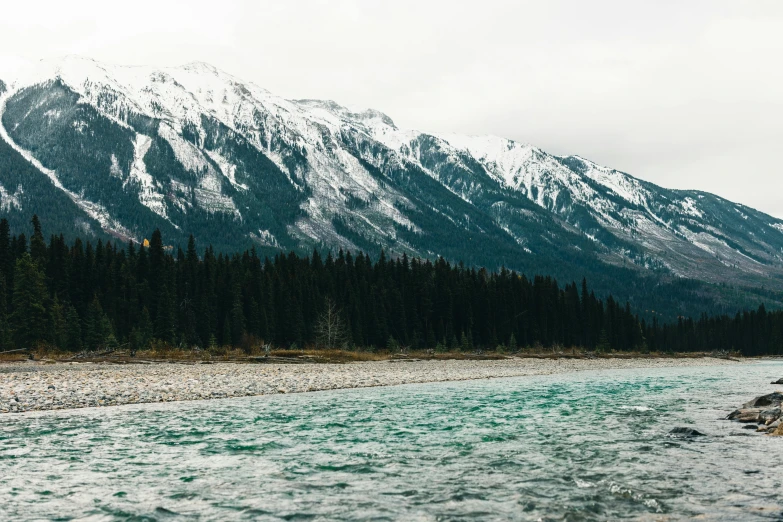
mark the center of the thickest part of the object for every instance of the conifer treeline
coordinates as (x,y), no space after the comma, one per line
(84,296)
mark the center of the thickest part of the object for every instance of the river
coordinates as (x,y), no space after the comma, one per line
(583,446)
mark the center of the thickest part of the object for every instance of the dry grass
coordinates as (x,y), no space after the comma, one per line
(327,355)
(12,357)
(257,354)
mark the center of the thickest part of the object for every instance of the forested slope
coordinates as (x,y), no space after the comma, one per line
(81,295)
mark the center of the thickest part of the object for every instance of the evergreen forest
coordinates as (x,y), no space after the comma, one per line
(78,296)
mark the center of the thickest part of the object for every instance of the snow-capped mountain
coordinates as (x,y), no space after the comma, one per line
(191,149)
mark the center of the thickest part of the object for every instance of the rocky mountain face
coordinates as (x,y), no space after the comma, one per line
(120,151)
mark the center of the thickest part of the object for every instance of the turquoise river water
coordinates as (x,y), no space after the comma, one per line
(581,446)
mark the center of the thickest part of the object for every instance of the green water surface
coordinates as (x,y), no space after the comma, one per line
(583,446)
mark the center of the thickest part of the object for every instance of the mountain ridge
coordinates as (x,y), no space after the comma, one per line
(193,149)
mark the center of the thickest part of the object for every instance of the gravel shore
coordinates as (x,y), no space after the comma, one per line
(35,386)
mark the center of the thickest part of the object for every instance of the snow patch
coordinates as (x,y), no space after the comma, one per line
(187,154)
(8,200)
(115,169)
(620,183)
(507,160)
(689,207)
(265,238)
(228,169)
(52,114)
(149,195)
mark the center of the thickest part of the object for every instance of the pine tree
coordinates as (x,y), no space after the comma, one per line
(6,254)
(226,339)
(165,319)
(237,317)
(464,344)
(73,329)
(97,326)
(111,341)
(5,330)
(29,319)
(37,244)
(603,342)
(431,341)
(145,329)
(57,324)
(142,335)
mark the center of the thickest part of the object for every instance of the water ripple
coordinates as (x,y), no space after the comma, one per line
(586,446)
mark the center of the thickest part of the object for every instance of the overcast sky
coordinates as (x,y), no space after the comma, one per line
(686,94)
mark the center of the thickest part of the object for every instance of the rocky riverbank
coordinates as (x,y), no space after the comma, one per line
(762,413)
(34,386)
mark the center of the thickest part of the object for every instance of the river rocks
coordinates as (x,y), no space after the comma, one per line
(771,399)
(31,387)
(762,414)
(763,409)
(745,415)
(769,416)
(685,432)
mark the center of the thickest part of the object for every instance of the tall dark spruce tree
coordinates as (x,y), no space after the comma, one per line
(29,318)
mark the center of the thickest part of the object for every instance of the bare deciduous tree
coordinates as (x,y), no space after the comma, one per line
(329,328)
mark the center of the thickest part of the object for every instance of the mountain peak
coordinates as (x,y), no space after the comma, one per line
(199,66)
(347,112)
(140,148)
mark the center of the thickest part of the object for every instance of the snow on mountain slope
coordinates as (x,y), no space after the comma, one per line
(9,201)
(192,146)
(92,209)
(653,227)
(149,193)
(621,184)
(185,100)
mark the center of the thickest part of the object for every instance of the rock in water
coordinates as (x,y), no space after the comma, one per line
(771,399)
(745,415)
(685,432)
(779,381)
(765,411)
(769,416)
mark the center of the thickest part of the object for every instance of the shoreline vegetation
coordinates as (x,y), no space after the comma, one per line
(52,384)
(266,354)
(82,298)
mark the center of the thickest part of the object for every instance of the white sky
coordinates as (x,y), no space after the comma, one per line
(686,94)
